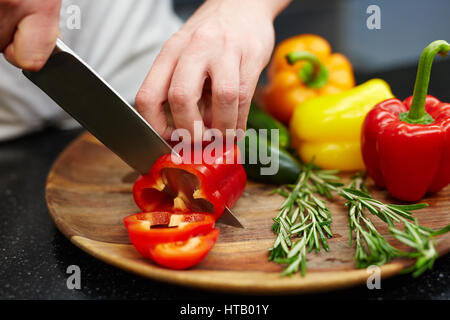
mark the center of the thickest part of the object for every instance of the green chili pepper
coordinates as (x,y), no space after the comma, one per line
(288,168)
(259,119)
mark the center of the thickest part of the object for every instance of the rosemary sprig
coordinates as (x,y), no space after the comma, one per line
(373,248)
(303,222)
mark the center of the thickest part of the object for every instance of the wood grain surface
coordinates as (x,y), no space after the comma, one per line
(89,192)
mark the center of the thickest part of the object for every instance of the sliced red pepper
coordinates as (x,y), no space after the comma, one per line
(178,183)
(183,254)
(406,145)
(150,228)
(175,187)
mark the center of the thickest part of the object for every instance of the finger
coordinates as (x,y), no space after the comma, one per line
(250,71)
(225,91)
(34,39)
(185,91)
(152,95)
(8,23)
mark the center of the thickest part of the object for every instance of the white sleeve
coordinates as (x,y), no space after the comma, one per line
(119,39)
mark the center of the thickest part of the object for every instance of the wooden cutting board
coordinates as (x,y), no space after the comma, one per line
(88,193)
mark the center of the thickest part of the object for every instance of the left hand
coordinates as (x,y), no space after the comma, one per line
(214,61)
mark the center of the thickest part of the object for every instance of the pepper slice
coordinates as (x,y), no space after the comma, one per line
(406,146)
(179,183)
(182,196)
(150,228)
(183,254)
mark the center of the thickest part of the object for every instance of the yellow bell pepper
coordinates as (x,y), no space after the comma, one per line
(328,128)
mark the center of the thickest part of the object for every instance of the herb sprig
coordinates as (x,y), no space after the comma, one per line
(303,222)
(373,248)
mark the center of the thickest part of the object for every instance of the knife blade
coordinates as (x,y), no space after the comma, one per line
(90,100)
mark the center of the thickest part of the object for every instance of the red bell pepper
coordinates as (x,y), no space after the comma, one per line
(179,184)
(182,199)
(406,146)
(183,254)
(150,228)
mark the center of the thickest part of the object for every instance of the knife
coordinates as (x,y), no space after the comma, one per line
(90,100)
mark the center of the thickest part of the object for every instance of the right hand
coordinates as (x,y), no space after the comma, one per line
(28,31)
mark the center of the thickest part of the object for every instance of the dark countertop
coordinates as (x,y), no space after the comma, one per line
(34,255)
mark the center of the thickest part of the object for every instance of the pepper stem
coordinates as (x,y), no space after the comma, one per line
(417,113)
(313,73)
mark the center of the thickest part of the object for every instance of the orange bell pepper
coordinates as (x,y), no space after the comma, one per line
(303,67)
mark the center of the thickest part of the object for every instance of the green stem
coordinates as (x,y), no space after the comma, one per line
(417,113)
(313,73)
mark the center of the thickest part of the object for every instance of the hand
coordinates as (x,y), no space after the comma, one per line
(28,31)
(214,61)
